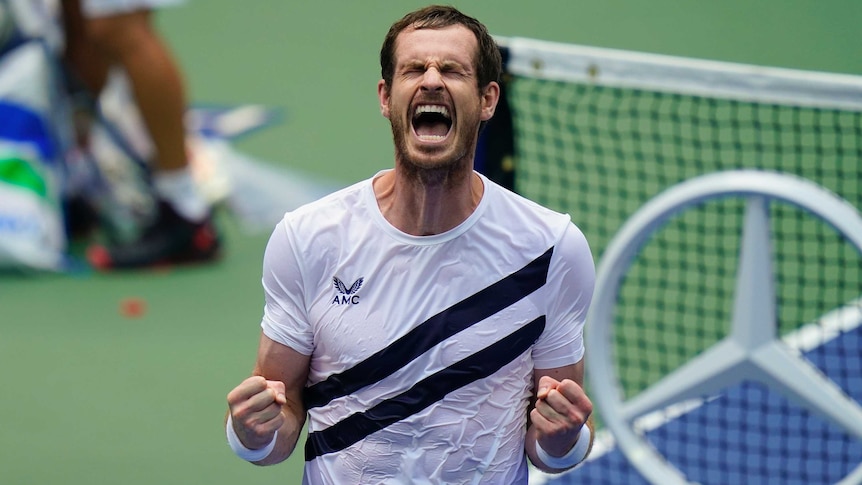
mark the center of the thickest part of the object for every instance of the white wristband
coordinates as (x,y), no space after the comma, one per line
(570,459)
(240,449)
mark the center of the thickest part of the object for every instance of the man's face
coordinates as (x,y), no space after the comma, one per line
(434,103)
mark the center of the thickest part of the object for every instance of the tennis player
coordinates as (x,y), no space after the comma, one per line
(426,322)
(104,34)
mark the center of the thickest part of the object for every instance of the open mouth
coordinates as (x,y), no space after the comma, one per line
(431,122)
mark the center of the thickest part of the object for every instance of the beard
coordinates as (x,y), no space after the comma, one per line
(430,169)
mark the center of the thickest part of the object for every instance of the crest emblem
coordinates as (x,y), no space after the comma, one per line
(342,288)
(347,295)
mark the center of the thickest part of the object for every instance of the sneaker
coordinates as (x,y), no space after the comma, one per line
(80,218)
(171,239)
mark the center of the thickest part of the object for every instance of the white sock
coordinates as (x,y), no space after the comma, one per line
(177,188)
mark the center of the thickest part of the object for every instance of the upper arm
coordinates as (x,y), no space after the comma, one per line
(569,290)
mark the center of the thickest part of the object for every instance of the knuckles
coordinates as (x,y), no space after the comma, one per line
(571,405)
(248,388)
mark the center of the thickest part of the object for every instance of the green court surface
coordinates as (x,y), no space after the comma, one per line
(92,396)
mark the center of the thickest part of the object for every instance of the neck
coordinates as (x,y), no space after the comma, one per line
(427,203)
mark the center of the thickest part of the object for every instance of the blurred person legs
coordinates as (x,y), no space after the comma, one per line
(105,33)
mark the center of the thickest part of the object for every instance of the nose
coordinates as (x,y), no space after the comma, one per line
(432,80)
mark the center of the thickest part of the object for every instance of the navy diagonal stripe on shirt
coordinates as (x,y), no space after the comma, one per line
(425,393)
(450,321)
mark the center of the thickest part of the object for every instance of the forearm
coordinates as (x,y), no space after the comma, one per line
(265,410)
(556,446)
(287,437)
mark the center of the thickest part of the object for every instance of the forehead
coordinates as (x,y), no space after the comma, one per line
(452,43)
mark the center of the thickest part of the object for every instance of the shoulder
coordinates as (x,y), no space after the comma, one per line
(526,217)
(330,213)
(335,202)
(318,222)
(528,224)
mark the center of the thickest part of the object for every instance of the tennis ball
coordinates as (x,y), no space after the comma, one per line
(133,307)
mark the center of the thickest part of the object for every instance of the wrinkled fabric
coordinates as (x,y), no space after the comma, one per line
(423,348)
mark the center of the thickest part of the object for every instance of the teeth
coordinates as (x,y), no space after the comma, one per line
(432,108)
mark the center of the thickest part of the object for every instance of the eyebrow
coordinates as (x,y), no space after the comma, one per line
(447,64)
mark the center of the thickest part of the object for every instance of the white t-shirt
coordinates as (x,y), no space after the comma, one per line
(423,348)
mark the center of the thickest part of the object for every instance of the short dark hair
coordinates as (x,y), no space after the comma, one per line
(488,62)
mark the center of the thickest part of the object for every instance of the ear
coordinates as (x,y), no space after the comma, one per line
(383,96)
(490,97)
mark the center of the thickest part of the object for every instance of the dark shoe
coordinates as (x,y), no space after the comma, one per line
(80,218)
(171,239)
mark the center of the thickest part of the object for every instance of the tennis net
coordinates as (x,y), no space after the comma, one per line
(597,133)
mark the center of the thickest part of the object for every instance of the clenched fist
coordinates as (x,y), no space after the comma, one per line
(562,408)
(256,410)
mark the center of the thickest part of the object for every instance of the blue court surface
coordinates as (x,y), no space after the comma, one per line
(748,434)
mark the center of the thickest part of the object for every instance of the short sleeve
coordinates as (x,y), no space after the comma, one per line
(568,292)
(285,318)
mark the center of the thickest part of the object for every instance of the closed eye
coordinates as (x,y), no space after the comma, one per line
(447,69)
